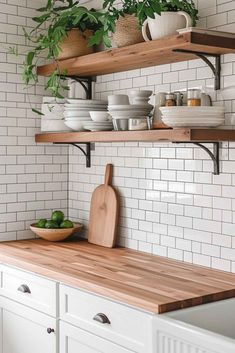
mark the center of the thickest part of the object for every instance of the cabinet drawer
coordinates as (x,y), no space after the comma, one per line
(128,327)
(29,289)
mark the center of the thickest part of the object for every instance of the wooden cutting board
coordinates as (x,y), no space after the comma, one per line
(104,213)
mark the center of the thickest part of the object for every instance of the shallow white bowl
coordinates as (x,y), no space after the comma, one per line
(76,113)
(86,108)
(142,93)
(76,125)
(99,116)
(79,118)
(86,101)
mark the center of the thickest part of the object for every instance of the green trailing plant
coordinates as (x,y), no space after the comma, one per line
(148,8)
(52,25)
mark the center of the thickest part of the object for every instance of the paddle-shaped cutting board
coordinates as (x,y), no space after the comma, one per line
(104,213)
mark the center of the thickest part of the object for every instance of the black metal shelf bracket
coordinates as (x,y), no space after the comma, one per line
(86,83)
(216,69)
(215,155)
(87,152)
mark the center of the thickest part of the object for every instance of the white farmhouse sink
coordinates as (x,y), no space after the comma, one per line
(208,328)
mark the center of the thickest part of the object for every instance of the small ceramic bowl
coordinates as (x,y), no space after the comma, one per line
(55,234)
(76,125)
(99,116)
(141,94)
(118,99)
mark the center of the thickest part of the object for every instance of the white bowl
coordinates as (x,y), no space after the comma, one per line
(99,116)
(86,101)
(76,113)
(76,125)
(79,118)
(118,99)
(86,108)
(142,93)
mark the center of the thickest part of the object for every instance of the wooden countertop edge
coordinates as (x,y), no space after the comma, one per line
(124,298)
(81,284)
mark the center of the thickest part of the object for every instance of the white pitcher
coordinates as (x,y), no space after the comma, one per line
(165,24)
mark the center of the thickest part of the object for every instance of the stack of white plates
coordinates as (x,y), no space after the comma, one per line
(129,111)
(98,126)
(77,114)
(178,117)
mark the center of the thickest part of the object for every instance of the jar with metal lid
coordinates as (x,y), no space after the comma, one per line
(194,97)
(170,100)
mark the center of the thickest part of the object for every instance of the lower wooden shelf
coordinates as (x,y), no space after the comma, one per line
(168,135)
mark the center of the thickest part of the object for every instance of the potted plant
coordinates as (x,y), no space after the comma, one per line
(168,16)
(134,13)
(124,22)
(62,30)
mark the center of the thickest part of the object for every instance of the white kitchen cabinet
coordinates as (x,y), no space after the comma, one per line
(127,326)
(75,340)
(29,289)
(25,330)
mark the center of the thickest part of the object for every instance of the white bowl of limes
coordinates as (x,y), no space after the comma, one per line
(55,229)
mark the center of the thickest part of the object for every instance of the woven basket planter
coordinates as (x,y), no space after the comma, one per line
(127,31)
(75,44)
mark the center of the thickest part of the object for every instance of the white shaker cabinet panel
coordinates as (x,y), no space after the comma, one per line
(75,340)
(127,326)
(25,330)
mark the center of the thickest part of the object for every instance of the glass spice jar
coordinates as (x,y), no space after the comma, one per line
(194,97)
(170,100)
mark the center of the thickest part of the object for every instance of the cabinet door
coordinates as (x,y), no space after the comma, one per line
(25,330)
(75,340)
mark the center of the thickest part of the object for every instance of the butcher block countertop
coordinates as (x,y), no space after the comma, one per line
(148,282)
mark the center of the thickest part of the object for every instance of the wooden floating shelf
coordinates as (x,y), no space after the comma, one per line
(145,54)
(168,135)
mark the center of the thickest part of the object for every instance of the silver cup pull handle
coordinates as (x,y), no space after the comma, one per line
(101,318)
(24,289)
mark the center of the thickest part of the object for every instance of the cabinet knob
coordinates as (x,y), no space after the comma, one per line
(102,318)
(24,289)
(50,330)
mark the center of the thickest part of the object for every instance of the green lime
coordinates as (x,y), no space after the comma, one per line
(67,224)
(41,223)
(51,225)
(57,216)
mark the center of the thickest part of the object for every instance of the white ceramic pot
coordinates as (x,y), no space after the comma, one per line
(165,24)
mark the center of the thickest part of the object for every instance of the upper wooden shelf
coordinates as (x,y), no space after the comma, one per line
(168,135)
(142,55)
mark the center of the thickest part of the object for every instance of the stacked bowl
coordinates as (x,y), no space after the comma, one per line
(184,116)
(76,112)
(100,121)
(120,108)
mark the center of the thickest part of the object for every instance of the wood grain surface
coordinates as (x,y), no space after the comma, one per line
(148,282)
(174,135)
(155,52)
(104,213)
